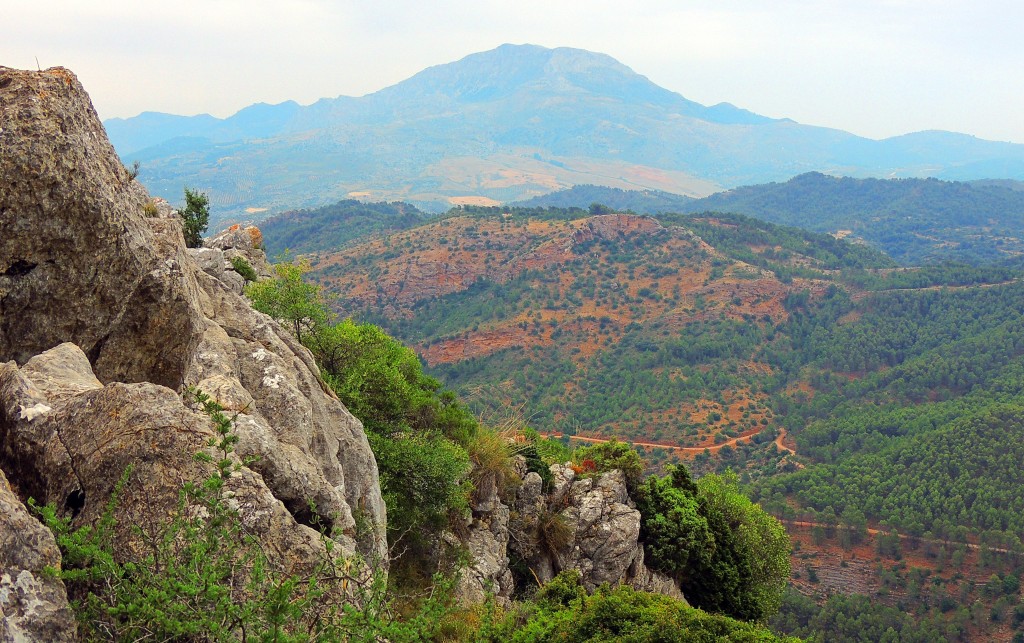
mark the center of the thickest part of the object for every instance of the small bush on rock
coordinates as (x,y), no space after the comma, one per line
(244,268)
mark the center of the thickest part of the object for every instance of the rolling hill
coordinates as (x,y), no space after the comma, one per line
(508,124)
(912,220)
(879,410)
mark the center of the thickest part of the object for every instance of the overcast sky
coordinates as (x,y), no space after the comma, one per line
(873,67)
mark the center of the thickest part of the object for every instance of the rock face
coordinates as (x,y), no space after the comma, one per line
(105,318)
(244,242)
(589,525)
(603,530)
(33,607)
(77,261)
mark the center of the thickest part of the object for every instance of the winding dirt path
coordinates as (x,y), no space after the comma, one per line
(746,437)
(875,532)
(778,441)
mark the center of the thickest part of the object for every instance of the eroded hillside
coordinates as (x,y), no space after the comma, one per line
(551,299)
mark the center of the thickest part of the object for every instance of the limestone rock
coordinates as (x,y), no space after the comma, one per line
(487,543)
(78,261)
(245,242)
(210,260)
(84,260)
(98,434)
(33,606)
(604,546)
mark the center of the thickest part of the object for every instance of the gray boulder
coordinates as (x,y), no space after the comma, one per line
(603,524)
(33,605)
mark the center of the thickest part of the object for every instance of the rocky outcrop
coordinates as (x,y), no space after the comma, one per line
(76,261)
(486,540)
(600,527)
(106,318)
(589,525)
(245,242)
(86,435)
(33,605)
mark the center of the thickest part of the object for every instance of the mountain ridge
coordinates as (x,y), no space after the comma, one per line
(511,123)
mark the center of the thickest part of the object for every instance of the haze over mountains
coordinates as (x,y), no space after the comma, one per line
(511,123)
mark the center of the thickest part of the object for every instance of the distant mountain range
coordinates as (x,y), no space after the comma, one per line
(507,124)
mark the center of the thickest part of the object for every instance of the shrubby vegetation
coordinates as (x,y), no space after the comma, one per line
(563,611)
(195,217)
(728,554)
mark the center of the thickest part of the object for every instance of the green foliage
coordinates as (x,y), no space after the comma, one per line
(677,538)
(289,299)
(195,217)
(727,553)
(856,618)
(563,611)
(244,268)
(199,574)
(750,541)
(423,479)
(606,456)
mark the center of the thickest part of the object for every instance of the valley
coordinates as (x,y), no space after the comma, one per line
(841,388)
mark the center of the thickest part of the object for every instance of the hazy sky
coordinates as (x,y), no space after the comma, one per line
(873,67)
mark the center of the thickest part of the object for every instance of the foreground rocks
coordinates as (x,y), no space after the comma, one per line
(106,319)
(33,606)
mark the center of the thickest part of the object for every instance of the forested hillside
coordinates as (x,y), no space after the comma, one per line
(913,220)
(847,392)
(335,226)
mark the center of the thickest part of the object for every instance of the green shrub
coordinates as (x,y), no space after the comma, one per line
(244,268)
(562,611)
(727,553)
(610,455)
(290,300)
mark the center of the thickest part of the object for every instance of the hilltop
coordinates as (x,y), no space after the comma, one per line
(912,220)
(511,123)
(560,301)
